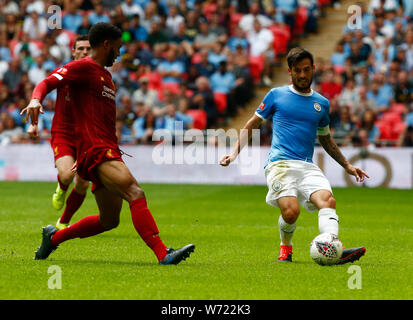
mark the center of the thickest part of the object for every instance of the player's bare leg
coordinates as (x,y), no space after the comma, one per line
(290,210)
(328,222)
(65,177)
(74,201)
(117,178)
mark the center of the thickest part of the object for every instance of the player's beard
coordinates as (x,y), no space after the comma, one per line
(303,86)
(111,58)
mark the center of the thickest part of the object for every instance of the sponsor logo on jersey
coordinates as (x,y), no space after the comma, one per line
(262,106)
(109,93)
(317,107)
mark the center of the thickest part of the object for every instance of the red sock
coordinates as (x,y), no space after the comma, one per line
(62,186)
(145,225)
(87,227)
(73,203)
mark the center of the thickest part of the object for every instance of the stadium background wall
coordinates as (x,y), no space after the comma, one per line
(387,167)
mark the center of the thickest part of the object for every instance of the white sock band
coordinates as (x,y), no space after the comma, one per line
(286,231)
(328,221)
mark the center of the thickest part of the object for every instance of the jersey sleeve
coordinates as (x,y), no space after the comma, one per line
(267,106)
(71,73)
(324,125)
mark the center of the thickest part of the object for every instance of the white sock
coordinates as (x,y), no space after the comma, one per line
(286,231)
(328,221)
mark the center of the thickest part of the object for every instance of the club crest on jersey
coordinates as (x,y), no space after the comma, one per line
(317,107)
(110,154)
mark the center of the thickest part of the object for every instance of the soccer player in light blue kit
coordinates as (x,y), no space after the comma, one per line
(298,115)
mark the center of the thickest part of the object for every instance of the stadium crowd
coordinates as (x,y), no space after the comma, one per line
(198,62)
(369,78)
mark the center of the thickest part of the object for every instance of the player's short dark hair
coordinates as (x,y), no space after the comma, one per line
(80,37)
(101,32)
(298,54)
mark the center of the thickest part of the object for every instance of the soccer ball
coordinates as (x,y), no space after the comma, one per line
(326,249)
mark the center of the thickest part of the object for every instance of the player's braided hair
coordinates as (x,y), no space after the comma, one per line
(297,54)
(103,31)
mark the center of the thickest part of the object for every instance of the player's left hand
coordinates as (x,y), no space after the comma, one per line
(32,111)
(33,130)
(357,172)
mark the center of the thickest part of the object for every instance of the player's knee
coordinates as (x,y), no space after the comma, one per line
(66,177)
(132,191)
(81,186)
(109,224)
(330,203)
(290,214)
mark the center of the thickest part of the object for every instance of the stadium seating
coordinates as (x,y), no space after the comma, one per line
(199,117)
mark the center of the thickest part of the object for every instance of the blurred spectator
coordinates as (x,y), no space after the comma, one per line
(247,21)
(156,34)
(13,75)
(9,133)
(129,8)
(203,99)
(145,95)
(174,19)
(72,19)
(204,39)
(403,90)
(35,26)
(171,69)
(85,26)
(345,130)
(286,12)
(349,95)
(144,124)
(369,132)
(331,85)
(339,57)
(261,42)
(204,67)
(380,97)
(98,14)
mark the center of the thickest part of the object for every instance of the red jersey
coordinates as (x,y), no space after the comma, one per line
(63,126)
(92,101)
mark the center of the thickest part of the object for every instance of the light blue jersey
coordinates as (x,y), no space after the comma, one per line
(296,117)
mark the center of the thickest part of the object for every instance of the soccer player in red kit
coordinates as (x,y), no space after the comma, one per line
(64,146)
(98,156)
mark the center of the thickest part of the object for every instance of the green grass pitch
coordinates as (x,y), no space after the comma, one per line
(236,240)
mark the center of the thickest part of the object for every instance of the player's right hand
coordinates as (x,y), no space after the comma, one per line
(32,111)
(226,160)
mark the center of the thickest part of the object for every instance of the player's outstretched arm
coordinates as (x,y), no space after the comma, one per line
(330,146)
(35,106)
(246,133)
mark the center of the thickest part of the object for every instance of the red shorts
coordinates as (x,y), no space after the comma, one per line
(88,162)
(62,147)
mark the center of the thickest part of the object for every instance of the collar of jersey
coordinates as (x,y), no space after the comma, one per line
(300,93)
